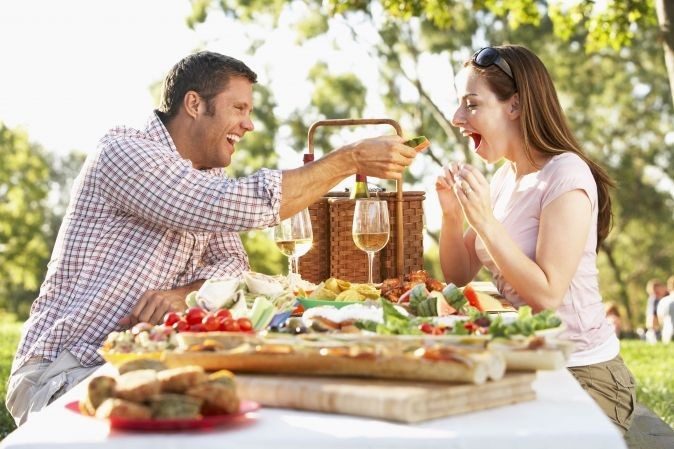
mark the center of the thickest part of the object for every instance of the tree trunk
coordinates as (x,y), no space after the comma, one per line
(624,297)
(665,12)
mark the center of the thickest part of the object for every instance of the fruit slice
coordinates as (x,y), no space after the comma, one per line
(418,143)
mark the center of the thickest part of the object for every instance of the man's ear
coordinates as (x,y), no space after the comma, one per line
(514,107)
(191,102)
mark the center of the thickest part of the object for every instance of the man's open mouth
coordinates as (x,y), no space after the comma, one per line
(233,138)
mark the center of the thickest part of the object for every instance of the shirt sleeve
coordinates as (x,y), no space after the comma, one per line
(225,256)
(159,186)
(571,173)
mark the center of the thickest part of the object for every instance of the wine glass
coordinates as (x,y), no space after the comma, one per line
(370,228)
(294,237)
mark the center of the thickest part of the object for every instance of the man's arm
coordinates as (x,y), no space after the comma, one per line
(383,157)
(224,256)
(154,304)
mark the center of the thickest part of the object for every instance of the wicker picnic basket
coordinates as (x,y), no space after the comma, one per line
(334,253)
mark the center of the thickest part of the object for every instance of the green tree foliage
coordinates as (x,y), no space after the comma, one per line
(34,188)
(24,216)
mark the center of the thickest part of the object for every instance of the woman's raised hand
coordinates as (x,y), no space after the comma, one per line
(444,186)
(472,191)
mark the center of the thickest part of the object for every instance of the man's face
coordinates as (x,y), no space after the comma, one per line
(222,123)
(660,290)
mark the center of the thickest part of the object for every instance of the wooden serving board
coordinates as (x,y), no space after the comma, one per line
(386,399)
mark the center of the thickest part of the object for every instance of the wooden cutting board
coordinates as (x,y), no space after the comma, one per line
(392,400)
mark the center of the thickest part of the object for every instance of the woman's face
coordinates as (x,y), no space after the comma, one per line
(489,122)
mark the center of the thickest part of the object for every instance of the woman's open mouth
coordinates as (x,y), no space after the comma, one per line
(477,139)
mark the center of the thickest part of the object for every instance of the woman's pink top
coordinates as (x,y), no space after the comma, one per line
(518,206)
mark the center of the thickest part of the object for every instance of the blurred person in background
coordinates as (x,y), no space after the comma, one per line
(656,290)
(665,313)
(613,316)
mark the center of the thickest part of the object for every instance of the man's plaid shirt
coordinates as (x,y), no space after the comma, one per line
(140,218)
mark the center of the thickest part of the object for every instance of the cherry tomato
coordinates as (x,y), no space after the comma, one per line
(181,325)
(195,315)
(244,324)
(470,326)
(222,314)
(229,325)
(197,328)
(472,298)
(426,328)
(171,318)
(210,323)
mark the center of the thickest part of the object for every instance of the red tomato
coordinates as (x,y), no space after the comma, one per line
(472,298)
(181,326)
(210,323)
(426,328)
(222,314)
(197,328)
(244,324)
(171,318)
(299,310)
(470,326)
(195,315)
(229,325)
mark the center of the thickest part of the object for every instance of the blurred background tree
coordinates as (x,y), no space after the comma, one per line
(33,188)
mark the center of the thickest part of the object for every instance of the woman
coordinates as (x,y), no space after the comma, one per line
(538,224)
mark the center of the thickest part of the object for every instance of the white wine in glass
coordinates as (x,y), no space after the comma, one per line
(294,237)
(371,228)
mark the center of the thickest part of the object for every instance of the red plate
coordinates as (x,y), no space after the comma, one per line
(176,424)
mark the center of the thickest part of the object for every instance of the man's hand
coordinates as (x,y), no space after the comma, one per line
(384,157)
(154,304)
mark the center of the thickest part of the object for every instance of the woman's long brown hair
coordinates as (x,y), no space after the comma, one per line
(542,120)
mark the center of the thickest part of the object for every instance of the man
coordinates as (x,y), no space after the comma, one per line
(153,216)
(656,290)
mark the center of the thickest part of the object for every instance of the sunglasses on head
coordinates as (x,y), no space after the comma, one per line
(489,56)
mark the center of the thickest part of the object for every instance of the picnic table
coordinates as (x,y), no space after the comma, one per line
(562,416)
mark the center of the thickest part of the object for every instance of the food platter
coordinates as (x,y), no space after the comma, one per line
(162,425)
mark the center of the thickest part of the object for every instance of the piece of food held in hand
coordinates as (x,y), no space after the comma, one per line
(419,143)
(160,393)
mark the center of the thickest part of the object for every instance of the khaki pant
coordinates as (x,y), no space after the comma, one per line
(38,383)
(612,386)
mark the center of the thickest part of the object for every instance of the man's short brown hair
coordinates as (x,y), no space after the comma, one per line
(207,73)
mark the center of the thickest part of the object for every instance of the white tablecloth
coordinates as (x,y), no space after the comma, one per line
(563,416)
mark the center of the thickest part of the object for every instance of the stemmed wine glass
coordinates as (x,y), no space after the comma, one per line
(371,228)
(294,237)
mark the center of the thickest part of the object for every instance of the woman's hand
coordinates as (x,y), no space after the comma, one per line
(444,186)
(472,191)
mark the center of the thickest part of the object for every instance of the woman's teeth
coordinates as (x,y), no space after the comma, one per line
(233,138)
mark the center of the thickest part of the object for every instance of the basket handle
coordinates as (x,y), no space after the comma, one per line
(399,191)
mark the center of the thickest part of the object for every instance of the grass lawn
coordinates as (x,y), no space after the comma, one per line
(651,364)
(9,338)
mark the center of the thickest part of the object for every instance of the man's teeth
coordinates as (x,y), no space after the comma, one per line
(233,137)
